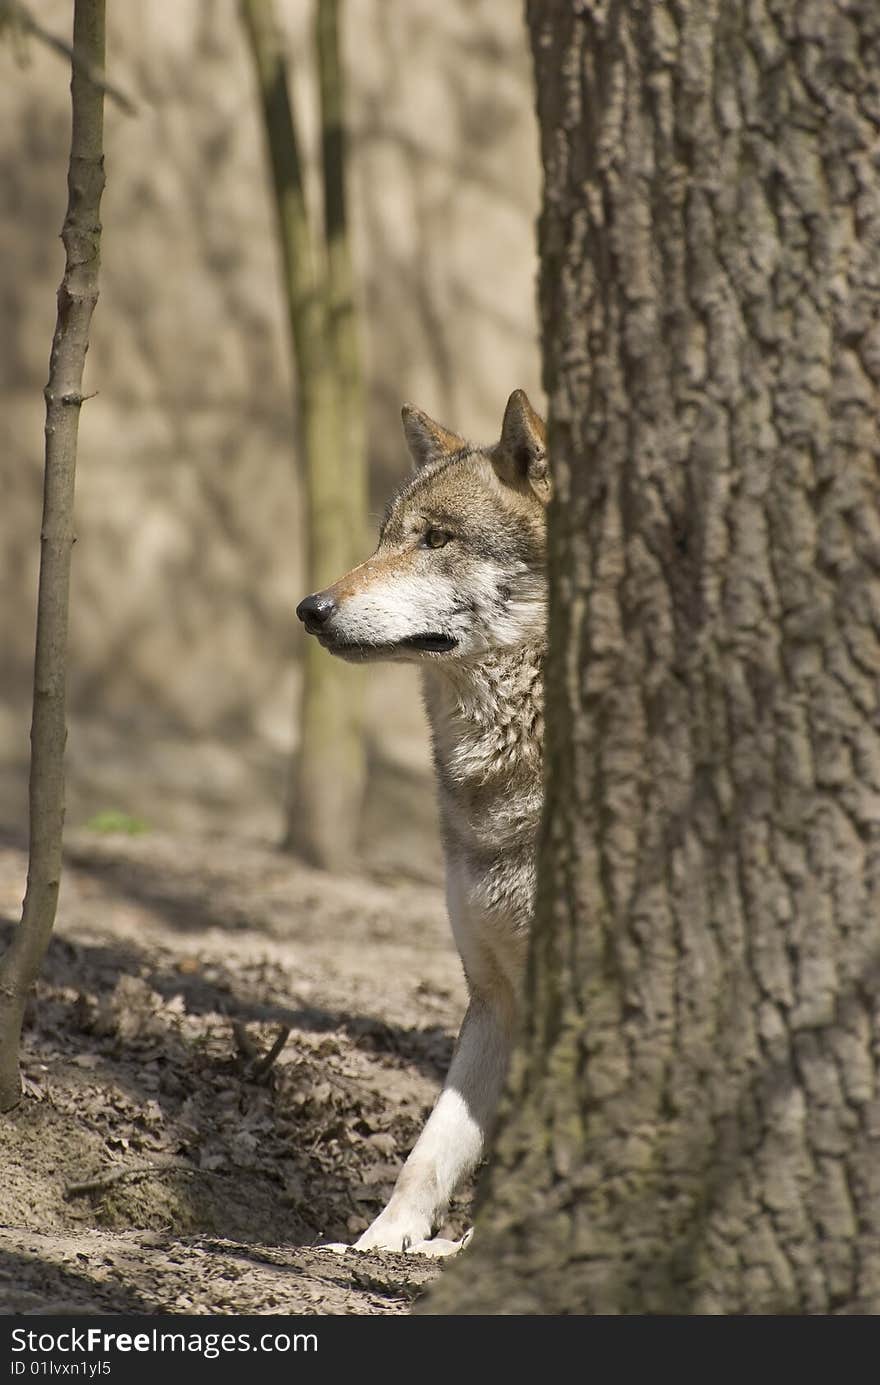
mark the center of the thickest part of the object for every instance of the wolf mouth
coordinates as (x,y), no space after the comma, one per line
(432,642)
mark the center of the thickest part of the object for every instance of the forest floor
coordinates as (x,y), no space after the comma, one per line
(151,1167)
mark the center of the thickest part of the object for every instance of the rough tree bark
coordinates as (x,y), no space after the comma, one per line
(693,1119)
(77,296)
(327,778)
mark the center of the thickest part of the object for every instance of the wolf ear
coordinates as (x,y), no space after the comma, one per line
(521,455)
(427,440)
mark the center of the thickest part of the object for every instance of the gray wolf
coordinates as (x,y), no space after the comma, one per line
(458,585)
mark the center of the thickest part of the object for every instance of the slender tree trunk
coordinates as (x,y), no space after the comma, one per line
(340,293)
(693,1122)
(77,296)
(328,771)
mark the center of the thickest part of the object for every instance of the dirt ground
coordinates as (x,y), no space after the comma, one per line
(152,1166)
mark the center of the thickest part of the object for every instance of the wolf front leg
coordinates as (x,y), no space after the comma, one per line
(453,1140)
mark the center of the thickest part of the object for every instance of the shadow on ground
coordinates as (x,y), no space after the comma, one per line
(174,964)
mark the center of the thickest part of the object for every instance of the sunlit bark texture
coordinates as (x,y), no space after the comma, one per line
(77,297)
(693,1121)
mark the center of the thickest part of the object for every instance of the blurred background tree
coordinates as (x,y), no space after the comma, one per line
(328,775)
(184,664)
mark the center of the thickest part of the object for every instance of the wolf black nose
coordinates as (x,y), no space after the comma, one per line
(315,611)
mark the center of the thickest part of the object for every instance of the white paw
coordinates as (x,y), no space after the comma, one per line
(394,1233)
(438,1247)
(435,1247)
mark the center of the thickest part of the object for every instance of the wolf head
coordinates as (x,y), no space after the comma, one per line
(460,566)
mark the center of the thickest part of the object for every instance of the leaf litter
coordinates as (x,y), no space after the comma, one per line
(157,1161)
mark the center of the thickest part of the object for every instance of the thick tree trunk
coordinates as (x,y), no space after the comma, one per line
(77,296)
(328,771)
(693,1122)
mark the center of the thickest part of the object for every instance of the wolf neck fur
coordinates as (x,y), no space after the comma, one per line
(487,723)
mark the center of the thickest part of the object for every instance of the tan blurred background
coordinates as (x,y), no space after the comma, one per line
(188,566)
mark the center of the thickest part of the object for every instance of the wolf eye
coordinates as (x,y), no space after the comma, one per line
(436,538)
